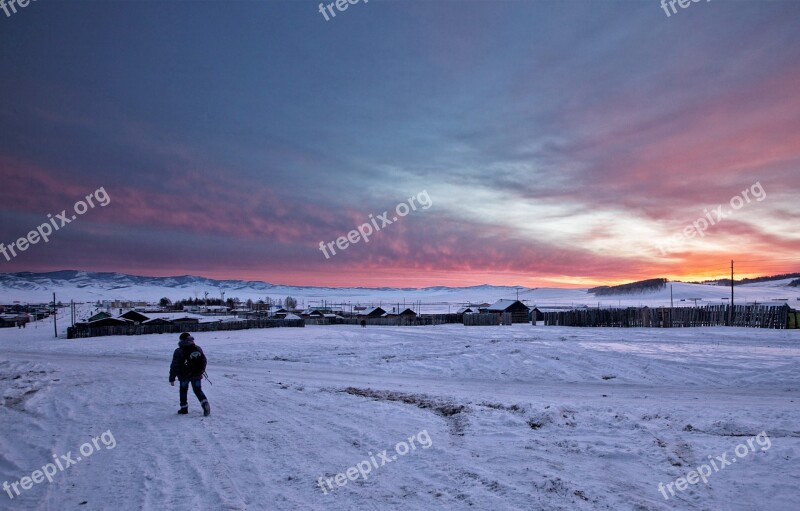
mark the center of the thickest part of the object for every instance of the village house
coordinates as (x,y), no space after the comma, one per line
(134,316)
(372,312)
(520,313)
(407,313)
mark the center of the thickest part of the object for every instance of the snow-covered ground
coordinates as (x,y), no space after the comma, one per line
(518,417)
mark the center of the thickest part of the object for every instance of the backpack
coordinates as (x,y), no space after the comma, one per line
(194,362)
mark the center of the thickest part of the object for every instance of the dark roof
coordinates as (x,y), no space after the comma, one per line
(99,315)
(135,316)
(373,312)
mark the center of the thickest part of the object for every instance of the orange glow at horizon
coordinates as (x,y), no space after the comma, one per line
(396,278)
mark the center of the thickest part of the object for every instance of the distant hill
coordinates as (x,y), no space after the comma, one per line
(642,286)
(110,280)
(80,286)
(754,280)
(94,286)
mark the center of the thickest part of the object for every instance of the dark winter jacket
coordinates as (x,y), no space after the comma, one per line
(180,362)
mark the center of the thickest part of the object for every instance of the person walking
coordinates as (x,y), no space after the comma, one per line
(188,365)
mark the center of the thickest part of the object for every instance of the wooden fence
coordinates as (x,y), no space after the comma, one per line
(426,320)
(761,316)
(794,319)
(756,316)
(481,319)
(176,328)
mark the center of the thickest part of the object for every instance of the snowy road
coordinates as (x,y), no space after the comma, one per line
(519,418)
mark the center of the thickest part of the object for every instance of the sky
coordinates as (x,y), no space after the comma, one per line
(545,143)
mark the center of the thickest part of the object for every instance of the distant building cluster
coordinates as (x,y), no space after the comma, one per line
(133,317)
(128,312)
(17,315)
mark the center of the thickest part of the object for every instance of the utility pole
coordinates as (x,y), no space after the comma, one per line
(55,316)
(730,311)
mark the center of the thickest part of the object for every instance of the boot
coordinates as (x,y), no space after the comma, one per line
(206,408)
(184,410)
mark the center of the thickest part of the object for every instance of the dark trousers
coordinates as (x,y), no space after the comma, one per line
(196,387)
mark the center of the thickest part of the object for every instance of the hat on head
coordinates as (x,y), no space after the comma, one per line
(185,336)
